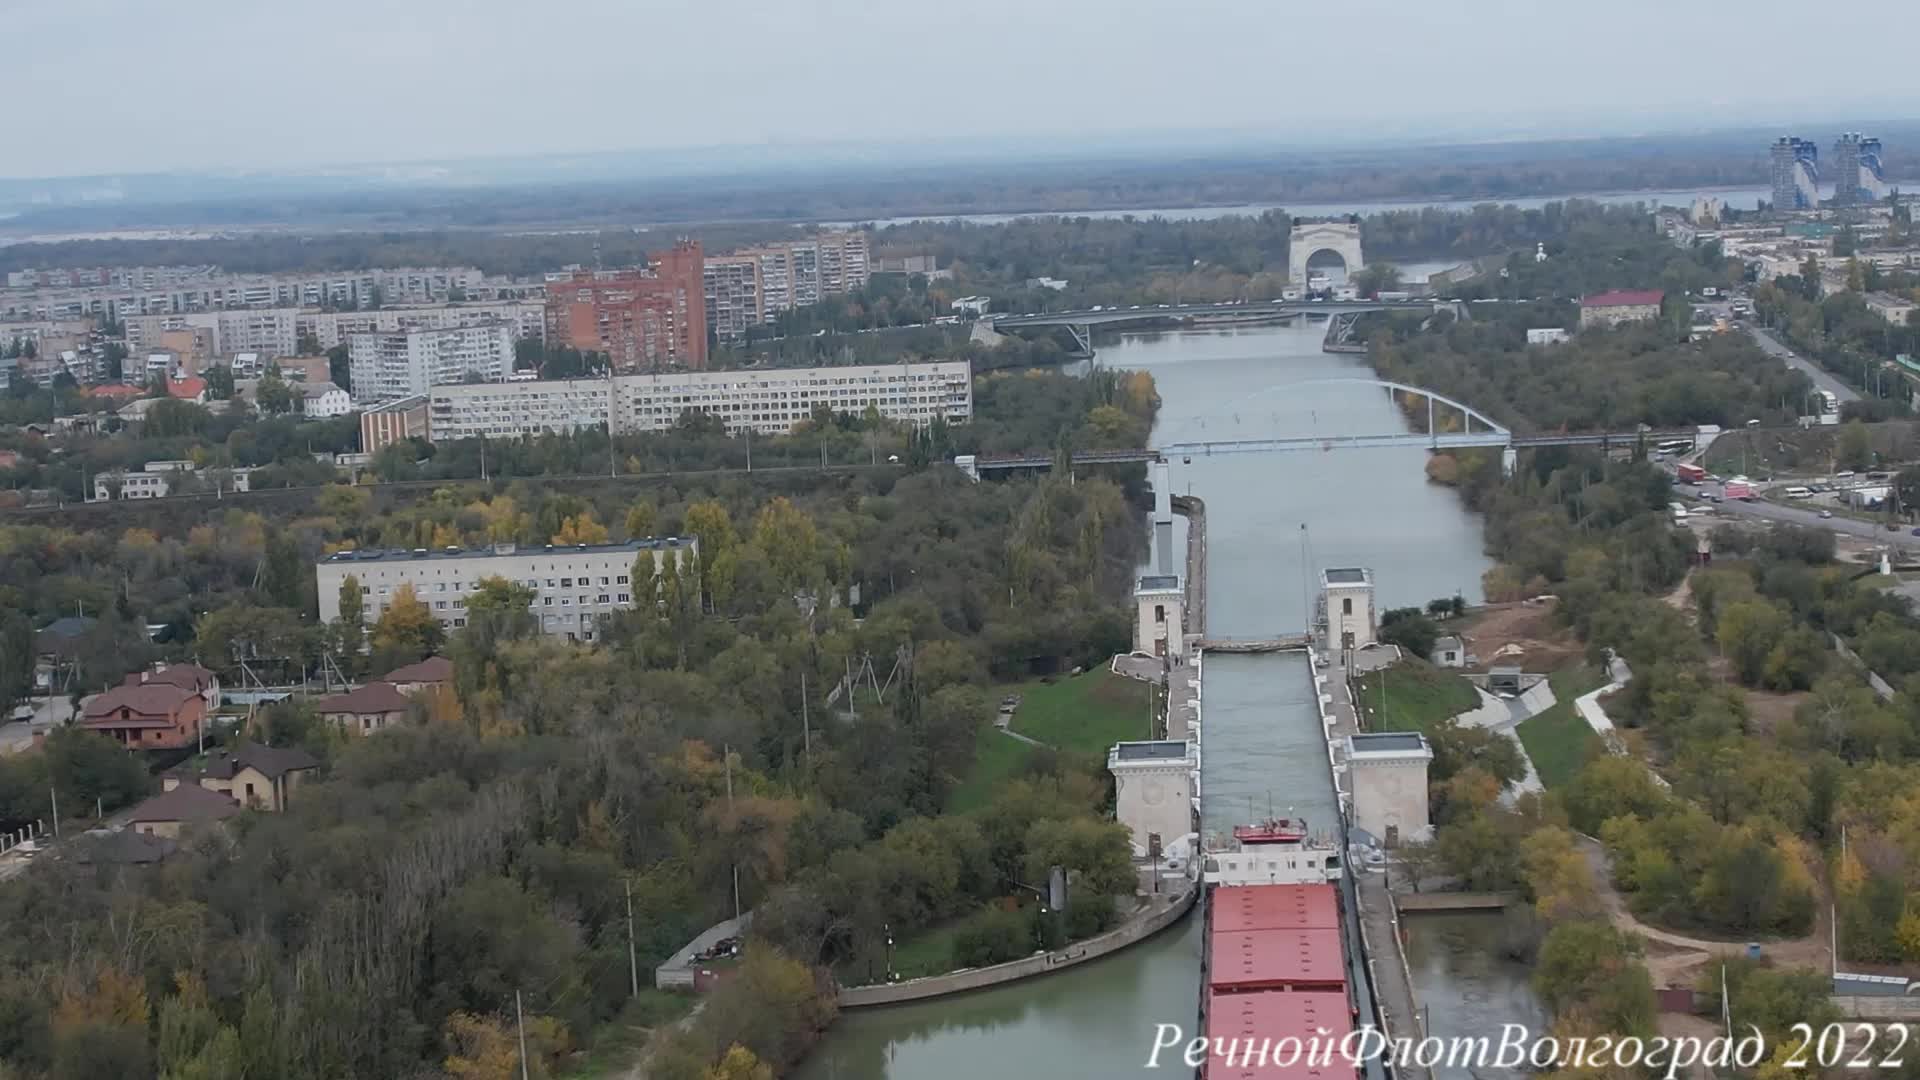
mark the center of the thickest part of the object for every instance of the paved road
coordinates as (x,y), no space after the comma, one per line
(15,737)
(1821,378)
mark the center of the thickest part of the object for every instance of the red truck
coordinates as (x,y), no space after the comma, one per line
(1739,488)
(1690,474)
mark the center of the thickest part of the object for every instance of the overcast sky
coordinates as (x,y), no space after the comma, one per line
(103,86)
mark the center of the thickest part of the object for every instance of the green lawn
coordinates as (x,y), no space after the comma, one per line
(1416,696)
(996,759)
(1085,713)
(1558,740)
(1081,714)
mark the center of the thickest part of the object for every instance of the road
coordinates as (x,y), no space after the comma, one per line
(47,713)
(1821,379)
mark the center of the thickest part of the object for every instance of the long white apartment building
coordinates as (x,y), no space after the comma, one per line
(767,402)
(409,362)
(160,293)
(575,588)
(528,318)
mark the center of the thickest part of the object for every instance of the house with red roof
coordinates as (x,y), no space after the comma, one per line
(187,676)
(115,392)
(192,388)
(1620,306)
(147,716)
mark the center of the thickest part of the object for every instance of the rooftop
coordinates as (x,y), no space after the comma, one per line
(1236,1019)
(271,761)
(1158,750)
(1159,583)
(375,697)
(188,802)
(145,699)
(1396,743)
(1624,298)
(1346,575)
(651,543)
(434,669)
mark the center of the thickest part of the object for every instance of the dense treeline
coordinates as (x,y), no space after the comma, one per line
(1844,337)
(383,925)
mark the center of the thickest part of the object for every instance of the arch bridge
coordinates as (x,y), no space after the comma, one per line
(1476,429)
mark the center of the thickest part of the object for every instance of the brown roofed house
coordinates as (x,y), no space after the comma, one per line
(147,716)
(429,674)
(257,777)
(365,710)
(173,812)
(186,676)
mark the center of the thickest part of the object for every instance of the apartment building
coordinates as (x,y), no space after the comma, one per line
(219,333)
(393,421)
(756,284)
(733,294)
(575,588)
(528,318)
(644,319)
(409,362)
(768,402)
(517,409)
(160,291)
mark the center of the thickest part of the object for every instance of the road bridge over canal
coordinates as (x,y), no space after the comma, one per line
(1081,323)
(1439,407)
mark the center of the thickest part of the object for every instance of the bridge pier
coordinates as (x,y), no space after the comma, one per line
(1509,459)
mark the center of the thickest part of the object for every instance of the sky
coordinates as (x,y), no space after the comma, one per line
(123,86)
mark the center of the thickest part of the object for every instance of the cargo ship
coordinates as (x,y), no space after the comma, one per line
(1275,964)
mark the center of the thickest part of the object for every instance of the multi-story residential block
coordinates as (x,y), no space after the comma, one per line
(643,319)
(734,295)
(220,333)
(575,588)
(1794,172)
(394,421)
(516,409)
(767,402)
(179,291)
(528,318)
(409,362)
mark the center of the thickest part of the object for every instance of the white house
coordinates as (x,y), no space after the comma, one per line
(1546,335)
(976,305)
(324,399)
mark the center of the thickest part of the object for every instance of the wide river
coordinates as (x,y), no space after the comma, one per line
(1369,508)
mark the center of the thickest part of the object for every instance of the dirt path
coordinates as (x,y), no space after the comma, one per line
(1681,598)
(1674,959)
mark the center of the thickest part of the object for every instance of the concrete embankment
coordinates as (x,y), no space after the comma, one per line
(1453,901)
(1156,915)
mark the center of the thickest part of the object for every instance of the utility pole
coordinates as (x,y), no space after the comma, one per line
(520,1020)
(806,723)
(633,960)
(728,751)
(749,434)
(54,796)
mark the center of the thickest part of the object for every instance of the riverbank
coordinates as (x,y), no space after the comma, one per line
(1155,914)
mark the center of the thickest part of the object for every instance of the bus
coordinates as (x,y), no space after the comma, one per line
(1675,446)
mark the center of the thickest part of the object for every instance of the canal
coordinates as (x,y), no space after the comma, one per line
(1363,507)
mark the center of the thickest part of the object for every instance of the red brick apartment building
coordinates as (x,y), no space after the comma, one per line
(647,320)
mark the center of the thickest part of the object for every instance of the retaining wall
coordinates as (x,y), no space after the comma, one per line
(1137,929)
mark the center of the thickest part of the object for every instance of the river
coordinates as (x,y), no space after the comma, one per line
(1363,507)
(1737,198)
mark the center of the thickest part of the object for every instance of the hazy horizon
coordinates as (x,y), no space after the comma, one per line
(358,85)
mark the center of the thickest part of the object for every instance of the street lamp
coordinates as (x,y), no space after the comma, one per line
(888,927)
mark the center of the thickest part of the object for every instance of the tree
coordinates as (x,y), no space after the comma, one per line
(219,382)
(1596,969)
(500,610)
(272,393)
(786,533)
(1410,629)
(641,520)
(406,630)
(581,529)
(710,522)
(740,1063)
(16,659)
(1748,633)
(349,630)
(1854,450)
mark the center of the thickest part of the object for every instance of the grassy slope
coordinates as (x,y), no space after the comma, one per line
(1418,696)
(1558,740)
(1084,714)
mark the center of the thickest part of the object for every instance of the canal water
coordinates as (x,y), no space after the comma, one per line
(1370,508)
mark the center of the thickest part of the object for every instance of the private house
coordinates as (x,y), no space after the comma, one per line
(147,716)
(430,674)
(366,710)
(186,676)
(257,777)
(1449,652)
(187,806)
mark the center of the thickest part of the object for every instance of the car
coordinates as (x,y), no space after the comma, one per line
(1893,526)
(1916,530)
(1844,473)
(1826,513)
